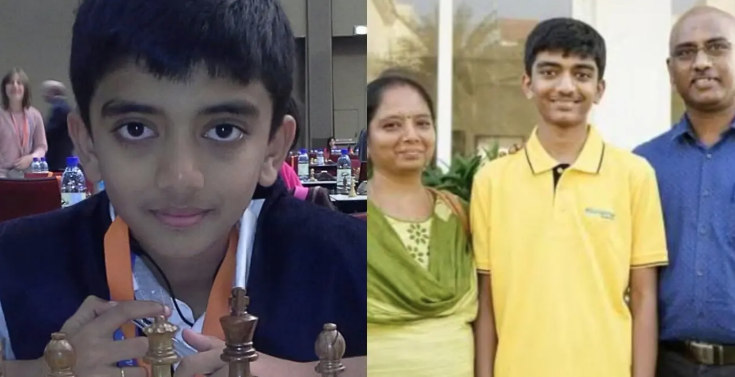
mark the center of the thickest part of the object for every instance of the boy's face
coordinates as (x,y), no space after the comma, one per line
(180,159)
(564,87)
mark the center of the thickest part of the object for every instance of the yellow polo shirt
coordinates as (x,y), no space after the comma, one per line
(560,256)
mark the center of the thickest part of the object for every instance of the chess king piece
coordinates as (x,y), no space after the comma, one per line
(161,355)
(239,328)
(60,356)
(312,177)
(330,348)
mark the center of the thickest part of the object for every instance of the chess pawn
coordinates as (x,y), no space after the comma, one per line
(353,193)
(161,354)
(330,348)
(239,328)
(312,177)
(60,356)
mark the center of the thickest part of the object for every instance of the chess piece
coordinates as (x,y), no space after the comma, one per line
(60,356)
(239,328)
(330,348)
(161,355)
(353,193)
(312,178)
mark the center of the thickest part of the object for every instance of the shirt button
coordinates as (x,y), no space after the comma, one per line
(560,170)
(702,231)
(709,156)
(699,273)
(705,193)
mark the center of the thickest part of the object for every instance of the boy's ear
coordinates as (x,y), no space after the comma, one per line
(278,148)
(81,136)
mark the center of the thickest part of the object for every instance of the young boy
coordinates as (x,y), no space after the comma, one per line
(182,113)
(563,227)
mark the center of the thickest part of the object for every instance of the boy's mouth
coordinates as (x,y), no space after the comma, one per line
(180,218)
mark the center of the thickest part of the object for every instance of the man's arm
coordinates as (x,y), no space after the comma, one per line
(649,252)
(480,223)
(486,340)
(643,288)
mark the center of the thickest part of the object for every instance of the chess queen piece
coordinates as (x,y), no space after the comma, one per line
(312,176)
(60,356)
(330,348)
(239,328)
(161,354)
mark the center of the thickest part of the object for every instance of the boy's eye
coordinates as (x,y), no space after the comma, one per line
(224,132)
(135,131)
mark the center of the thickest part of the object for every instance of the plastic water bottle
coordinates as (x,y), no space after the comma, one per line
(344,173)
(44,165)
(73,183)
(320,158)
(36,165)
(303,170)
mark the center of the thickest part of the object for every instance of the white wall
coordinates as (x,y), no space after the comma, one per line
(637,103)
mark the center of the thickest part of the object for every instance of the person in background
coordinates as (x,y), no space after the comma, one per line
(422,289)
(695,166)
(287,173)
(331,147)
(60,145)
(22,134)
(562,229)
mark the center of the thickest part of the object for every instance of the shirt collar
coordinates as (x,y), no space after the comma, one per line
(684,127)
(589,161)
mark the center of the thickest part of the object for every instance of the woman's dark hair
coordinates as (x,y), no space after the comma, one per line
(390,80)
(293,108)
(329,141)
(23,78)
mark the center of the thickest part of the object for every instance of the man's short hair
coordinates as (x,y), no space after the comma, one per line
(568,36)
(244,40)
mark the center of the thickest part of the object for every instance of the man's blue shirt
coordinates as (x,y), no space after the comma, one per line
(697,186)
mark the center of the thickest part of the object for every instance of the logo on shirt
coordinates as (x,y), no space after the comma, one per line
(601,213)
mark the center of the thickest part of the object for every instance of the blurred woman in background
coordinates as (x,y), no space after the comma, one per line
(287,173)
(22,134)
(422,288)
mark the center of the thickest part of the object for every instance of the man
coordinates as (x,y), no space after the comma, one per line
(695,166)
(182,112)
(59,143)
(563,227)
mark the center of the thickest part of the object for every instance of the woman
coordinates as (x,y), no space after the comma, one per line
(287,173)
(22,134)
(422,289)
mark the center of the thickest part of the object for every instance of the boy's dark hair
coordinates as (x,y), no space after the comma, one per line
(293,108)
(566,35)
(389,80)
(245,40)
(23,78)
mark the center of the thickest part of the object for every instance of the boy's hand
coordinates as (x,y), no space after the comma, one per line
(207,362)
(90,330)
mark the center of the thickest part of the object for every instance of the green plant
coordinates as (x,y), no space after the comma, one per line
(457,177)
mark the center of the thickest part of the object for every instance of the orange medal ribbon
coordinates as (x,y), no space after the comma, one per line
(119,269)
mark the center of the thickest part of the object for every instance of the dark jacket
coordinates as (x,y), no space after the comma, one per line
(57,135)
(308,268)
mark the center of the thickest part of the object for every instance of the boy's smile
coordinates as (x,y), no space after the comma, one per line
(181,159)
